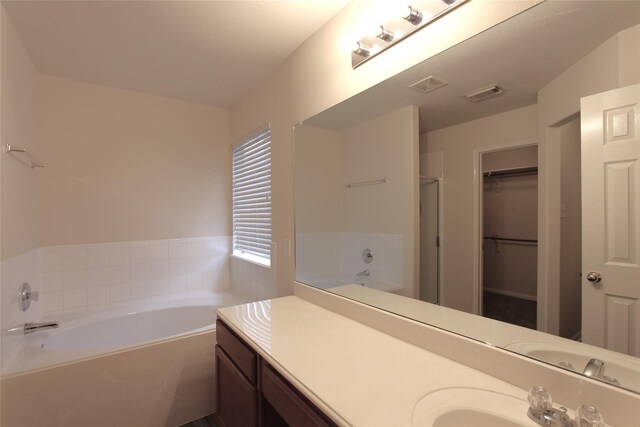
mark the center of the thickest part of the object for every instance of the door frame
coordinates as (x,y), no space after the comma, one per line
(439,289)
(478,227)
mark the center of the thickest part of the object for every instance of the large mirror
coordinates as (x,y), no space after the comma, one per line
(510,215)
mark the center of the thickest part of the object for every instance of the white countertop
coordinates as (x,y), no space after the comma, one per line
(358,375)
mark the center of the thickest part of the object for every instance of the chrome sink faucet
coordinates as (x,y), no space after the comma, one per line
(541,411)
(364,273)
(594,368)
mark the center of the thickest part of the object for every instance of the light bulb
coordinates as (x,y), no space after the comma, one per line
(383,34)
(360,49)
(412,15)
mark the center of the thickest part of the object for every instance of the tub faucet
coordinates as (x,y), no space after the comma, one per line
(594,368)
(30,328)
(364,273)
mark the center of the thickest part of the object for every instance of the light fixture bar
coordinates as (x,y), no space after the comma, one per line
(407,20)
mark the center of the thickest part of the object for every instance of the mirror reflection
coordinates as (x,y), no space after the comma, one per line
(519,202)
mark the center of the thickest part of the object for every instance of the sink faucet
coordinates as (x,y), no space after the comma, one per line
(541,411)
(594,368)
(364,273)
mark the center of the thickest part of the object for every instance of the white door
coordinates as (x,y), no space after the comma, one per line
(611,219)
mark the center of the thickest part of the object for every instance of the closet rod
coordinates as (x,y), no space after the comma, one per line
(513,172)
(504,239)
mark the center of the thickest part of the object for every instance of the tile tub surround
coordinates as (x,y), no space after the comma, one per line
(78,279)
(324,254)
(103,275)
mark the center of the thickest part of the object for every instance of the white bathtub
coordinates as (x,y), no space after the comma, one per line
(132,328)
(150,365)
(334,280)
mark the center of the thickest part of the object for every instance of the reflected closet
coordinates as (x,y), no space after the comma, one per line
(510,229)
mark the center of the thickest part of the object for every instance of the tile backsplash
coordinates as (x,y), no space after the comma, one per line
(115,274)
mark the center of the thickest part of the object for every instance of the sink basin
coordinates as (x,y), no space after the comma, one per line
(468,406)
(624,368)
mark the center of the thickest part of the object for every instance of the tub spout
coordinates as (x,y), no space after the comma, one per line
(30,328)
(364,273)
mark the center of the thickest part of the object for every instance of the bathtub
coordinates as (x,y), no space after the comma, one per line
(334,280)
(150,365)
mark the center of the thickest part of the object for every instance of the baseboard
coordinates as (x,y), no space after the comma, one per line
(511,294)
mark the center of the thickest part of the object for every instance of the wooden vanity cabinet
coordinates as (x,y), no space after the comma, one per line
(236,380)
(250,392)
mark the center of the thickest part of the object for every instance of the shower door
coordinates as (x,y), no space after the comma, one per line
(429,240)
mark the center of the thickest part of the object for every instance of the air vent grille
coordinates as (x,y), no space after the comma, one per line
(428,84)
(484,93)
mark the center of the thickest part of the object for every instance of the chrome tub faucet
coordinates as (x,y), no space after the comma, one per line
(30,328)
(364,273)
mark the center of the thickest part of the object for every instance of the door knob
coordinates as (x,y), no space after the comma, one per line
(594,277)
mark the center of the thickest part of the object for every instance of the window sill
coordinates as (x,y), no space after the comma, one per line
(252,259)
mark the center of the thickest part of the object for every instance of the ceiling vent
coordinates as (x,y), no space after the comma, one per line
(484,93)
(428,84)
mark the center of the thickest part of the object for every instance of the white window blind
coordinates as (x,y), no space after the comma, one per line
(252,199)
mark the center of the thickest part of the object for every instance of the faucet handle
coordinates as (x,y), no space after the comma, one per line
(588,416)
(26,296)
(539,399)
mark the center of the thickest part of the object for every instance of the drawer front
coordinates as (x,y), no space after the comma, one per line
(243,356)
(292,406)
(237,398)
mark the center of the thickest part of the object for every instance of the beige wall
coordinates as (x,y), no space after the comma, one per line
(124,166)
(458,144)
(508,159)
(318,179)
(612,65)
(19,182)
(319,75)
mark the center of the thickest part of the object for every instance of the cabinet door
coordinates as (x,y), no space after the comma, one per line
(291,406)
(237,398)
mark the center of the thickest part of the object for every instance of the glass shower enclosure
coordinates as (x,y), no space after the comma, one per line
(430,239)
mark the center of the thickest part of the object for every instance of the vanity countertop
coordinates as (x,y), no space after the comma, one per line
(358,375)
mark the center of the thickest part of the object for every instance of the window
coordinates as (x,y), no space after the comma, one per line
(251,194)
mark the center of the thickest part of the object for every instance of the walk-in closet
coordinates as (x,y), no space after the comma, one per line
(510,228)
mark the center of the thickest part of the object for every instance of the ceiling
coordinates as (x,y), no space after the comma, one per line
(210,52)
(522,54)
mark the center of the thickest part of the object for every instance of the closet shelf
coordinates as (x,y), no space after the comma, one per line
(530,170)
(505,239)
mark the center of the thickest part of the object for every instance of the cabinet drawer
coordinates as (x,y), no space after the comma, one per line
(243,356)
(292,406)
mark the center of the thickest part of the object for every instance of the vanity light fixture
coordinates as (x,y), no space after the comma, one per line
(403,22)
